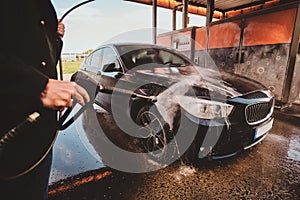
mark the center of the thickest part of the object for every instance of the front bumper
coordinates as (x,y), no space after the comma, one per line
(217,139)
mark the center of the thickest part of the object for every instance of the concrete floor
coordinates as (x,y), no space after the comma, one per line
(270,170)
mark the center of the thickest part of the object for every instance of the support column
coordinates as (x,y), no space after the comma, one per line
(185,13)
(292,58)
(154,20)
(209,14)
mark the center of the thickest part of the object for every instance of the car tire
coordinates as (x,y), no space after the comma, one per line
(156,136)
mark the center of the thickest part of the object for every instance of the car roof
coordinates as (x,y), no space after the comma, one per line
(146,45)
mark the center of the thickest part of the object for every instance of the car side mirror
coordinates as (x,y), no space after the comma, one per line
(111,67)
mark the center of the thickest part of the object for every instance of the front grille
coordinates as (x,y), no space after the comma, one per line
(256,113)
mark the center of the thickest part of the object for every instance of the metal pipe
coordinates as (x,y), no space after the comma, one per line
(174,15)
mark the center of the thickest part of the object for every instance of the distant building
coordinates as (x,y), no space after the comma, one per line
(72,57)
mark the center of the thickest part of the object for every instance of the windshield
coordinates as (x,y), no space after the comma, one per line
(134,56)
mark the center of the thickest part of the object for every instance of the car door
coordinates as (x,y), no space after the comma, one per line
(88,75)
(110,71)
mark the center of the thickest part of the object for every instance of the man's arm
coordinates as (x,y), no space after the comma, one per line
(21,83)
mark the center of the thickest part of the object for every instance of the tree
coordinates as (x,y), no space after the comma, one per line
(88,51)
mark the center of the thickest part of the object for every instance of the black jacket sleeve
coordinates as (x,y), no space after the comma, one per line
(19,80)
(29,49)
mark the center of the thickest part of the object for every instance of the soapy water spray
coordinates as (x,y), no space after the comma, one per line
(166,103)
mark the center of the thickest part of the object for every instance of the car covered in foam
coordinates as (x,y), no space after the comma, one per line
(165,100)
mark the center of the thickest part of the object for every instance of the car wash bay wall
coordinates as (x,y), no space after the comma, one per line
(263,46)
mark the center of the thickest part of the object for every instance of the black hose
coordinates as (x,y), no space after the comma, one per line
(61,19)
(73,8)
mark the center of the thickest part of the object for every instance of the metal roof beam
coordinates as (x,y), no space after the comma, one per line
(246,5)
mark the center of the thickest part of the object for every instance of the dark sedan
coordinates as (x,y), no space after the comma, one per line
(160,97)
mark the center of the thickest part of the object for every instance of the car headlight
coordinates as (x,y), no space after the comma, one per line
(204,109)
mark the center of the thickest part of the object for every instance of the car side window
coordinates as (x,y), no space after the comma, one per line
(97,58)
(93,61)
(88,60)
(110,60)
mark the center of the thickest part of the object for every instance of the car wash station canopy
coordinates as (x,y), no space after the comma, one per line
(258,39)
(218,9)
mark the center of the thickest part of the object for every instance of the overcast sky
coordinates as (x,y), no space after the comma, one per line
(100,21)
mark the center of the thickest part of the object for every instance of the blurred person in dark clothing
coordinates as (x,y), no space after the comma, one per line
(29,50)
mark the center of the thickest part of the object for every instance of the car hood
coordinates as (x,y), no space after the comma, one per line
(230,85)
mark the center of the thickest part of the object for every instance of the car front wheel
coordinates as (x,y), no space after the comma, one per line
(156,136)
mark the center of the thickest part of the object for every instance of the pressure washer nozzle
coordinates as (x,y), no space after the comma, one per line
(153,99)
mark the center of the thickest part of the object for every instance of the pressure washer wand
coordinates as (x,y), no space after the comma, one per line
(104,89)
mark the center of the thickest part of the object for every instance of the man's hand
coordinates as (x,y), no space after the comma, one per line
(61,29)
(58,94)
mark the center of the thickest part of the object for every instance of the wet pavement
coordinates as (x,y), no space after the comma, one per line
(270,170)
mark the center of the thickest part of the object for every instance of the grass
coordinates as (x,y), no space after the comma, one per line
(69,67)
